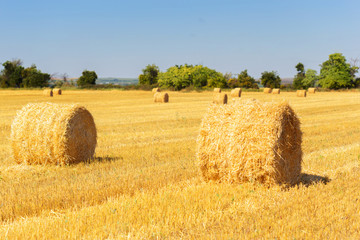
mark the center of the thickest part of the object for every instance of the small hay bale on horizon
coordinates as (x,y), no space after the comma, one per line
(276,91)
(48,92)
(154,90)
(220,98)
(57,91)
(250,141)
(312,90)
(301,93)
(160,97)
(50,133)
(267,90)
(217,90)
(236,92)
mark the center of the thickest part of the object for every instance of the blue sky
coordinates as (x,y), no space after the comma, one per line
(119,38)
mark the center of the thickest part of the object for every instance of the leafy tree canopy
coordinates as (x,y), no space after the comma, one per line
(310,79)
(270,79)
(299,77)
(32,77)
(149,75)
(87,78)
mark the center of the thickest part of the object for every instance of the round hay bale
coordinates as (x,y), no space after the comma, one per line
(160,97)
(217,90)
(57,91)
(220,98)
(250,141)
(301,93)
(275,91)
(311,90)
(49,133)
(267,90)
(48,92)
(236,92)
(154,90)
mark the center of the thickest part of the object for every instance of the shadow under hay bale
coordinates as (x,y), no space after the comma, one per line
(267,90)
(276,91)
(301,93)
(220,98)
(311,90)
(160,97)
(310,179)
(49,133)
(235,93)
(57,91)
(217,90)
(250,141)
(154,90)
(48,92)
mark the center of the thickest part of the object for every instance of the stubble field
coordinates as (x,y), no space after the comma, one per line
(144,182)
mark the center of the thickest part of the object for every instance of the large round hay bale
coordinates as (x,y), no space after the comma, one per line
(154,90)
(267,90)
(311,90)
(301,93)
(48,92)
(217,90)
(275,91)
(250,141)
(160,97)
(220,98)
(57,91)
(236,92)
(49,133)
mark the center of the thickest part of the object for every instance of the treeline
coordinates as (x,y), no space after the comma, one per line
(335,73)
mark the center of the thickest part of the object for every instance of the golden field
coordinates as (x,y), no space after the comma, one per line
(144,182)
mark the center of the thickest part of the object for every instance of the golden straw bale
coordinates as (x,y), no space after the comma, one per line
(57,91)
(301,93)
(311,90)
(154,90)
(250,141)
(217,90)
(161,97)
(267,90)
(48,92)
(275,91)
(236,92)
(49,133)
(220,98)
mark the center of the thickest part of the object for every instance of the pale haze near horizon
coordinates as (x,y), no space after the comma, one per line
(119,38)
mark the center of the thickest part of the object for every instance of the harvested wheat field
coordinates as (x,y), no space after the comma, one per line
(145,183)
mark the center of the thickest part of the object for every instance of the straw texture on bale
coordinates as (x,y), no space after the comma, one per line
(48,92)
(267,90)
(301,93)
(57,91)
(311,90)
(220,98)
(250,141)
(217,90)
(154,90)
(276,91)
(160,97)
(236,92)
(49,133)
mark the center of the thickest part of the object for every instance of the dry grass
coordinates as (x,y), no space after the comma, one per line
(144,182)
(267,90)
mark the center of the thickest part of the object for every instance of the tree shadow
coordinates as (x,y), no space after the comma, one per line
(310,179)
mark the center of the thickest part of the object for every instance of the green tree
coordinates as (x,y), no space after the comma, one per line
(11,75)
(299,77)
(149,75)
(336,73)
(32,77)
(87,78)
(310,79)
(245,80)
(270,79)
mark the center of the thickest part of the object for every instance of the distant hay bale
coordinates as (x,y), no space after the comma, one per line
(250,141)
(217,90)
(236,92)
(154,90)
(57,91)
(160,97)
(275,91)
(311,90)
(220,98)
(301,93)
(48,92)
(267,90)
(49,133)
